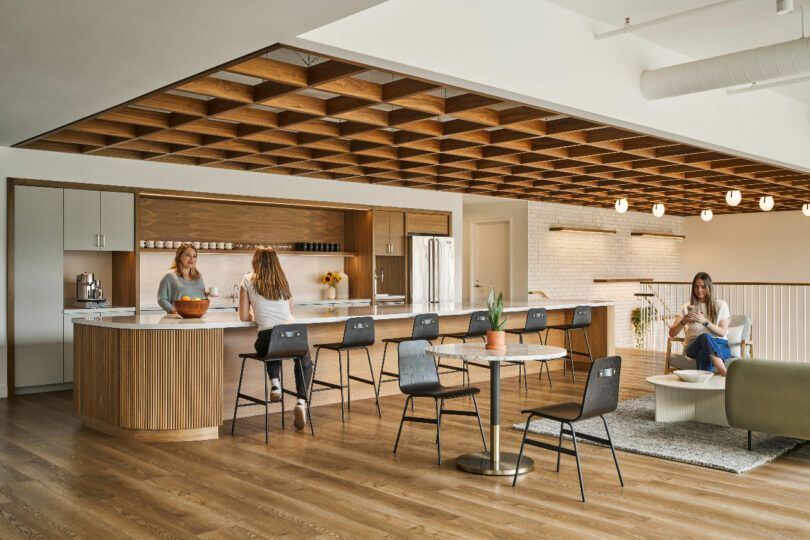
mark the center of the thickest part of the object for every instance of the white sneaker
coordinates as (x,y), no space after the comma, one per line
(300,416)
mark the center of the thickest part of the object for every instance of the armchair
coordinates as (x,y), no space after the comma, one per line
(738,325)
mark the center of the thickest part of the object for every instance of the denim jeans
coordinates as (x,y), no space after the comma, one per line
(702,347)
(302,364)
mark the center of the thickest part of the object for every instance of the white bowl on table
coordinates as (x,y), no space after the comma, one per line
(693,375)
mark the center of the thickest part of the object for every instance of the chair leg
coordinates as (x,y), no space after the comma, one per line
(579,467)
(314,372)
(238,391)
(548,371)
(480,425)
(559,447)
(267,408)
(402,421)
(540,336)
(522,445)
(309,409)
(382,368)
(439,428)
(525,376)
(571,356)
(340,371)
(749,439)
(587,344)
(281,380)
(373,385)
(612,449)
(348,380)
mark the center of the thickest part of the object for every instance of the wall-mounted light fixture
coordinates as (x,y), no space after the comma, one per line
(580,230)
(659,235)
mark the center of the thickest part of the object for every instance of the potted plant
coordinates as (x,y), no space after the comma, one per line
(330,279)
(496,337)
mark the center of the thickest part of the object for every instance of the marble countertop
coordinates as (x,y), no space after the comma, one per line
(320,314)
(511,352)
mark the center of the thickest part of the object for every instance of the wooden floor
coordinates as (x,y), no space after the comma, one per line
(60,480)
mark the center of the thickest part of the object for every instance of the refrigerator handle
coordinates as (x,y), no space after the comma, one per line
(437,278)
(432,276)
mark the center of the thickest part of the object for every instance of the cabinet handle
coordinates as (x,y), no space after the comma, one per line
(98,240)
(103,240)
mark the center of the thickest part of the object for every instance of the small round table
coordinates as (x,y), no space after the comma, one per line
(678,401)
(495,462)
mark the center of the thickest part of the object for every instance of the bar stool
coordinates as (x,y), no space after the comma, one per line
(358,334)
(581,321)
(287,342)
(535,323)
(479,324)
(425,326)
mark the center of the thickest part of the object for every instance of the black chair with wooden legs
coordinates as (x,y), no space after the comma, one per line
(601,396)
(419,377)
(479,324)
(287,342)
(535,324)
(581,321)
(358,334)
(425,326)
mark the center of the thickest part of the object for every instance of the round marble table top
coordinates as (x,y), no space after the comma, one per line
(672,381)
(513,351)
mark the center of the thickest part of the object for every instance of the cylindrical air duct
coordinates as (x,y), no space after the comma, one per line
(786,59)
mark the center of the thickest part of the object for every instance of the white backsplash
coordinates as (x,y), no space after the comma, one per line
(225,271)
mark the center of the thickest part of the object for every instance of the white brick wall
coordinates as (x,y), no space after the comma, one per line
(564,264)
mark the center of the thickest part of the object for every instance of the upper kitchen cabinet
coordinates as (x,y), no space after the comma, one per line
(424,223)
(389,233)
(99,220)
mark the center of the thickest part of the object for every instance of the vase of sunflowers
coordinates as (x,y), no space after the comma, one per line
(330,279)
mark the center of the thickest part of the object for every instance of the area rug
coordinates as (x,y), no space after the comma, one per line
(634,429)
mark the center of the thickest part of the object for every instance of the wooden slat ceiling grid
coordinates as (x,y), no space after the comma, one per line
(338,120)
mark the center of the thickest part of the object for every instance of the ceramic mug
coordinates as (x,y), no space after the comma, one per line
(142,243)
(213,292)
(212,245)
(159,244)
(221,245)
(196,245)
(229,245)
(204,245)
(150,243)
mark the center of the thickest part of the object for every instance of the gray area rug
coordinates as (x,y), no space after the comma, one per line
(634,429)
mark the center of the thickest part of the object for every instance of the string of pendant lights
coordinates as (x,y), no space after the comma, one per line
(733,198)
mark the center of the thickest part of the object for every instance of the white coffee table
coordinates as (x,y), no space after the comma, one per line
(676,400)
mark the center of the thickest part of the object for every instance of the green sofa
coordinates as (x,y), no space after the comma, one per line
(769,396)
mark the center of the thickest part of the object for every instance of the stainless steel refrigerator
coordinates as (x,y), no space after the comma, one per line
(432,269)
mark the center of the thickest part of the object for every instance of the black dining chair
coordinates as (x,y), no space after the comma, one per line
(580,321)
(425,326)
(536,319)
(601,396)
(419,377)
(357,334)
(287,342)
(479,324)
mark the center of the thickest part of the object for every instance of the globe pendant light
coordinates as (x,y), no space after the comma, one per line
(706,215)
(733,197)
(658,210)
(621,205)
(766,203)
(806,209)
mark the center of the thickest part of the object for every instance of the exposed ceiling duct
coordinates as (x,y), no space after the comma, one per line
(788,59)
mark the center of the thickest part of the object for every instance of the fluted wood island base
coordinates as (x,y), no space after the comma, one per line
(160,379)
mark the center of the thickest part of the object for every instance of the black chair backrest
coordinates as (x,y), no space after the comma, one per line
(425,326)
(602,389)
(416,367)
(288,341)
(359,332)
(582,317)
(536,319)
(479,323)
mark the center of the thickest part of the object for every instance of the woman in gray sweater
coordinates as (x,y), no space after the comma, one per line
(182,279)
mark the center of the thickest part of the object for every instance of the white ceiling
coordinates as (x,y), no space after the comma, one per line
(722,30)
(63,60)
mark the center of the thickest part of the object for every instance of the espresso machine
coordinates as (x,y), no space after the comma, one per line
(89,293)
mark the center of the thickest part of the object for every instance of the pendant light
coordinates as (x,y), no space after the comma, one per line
(766,203)
(806,209)
(658,210)
(733,197)
(706,215)
(621,205)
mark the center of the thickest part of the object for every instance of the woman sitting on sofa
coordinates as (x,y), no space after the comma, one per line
(704,321)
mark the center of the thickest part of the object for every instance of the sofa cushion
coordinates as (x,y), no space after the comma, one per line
(734,339)
(679,361)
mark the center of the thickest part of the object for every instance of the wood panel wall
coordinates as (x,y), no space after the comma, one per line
(359,238)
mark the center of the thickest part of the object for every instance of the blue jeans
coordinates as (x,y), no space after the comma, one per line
(702,347)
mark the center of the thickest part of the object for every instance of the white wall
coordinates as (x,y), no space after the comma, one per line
(479,209)
(759,247)
(39,165)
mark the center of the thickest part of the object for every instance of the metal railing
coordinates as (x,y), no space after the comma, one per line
(779,312)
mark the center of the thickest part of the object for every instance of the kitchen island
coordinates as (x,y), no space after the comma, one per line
(156,377)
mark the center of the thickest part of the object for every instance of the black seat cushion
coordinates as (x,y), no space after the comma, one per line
(563,327)
(398,339)
(332,346)
(558,411)
(520,331)
(441,392)
(461,335)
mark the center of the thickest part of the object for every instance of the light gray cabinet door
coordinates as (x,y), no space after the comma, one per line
(38,288)
(117,221)
(67,342)
(82,219)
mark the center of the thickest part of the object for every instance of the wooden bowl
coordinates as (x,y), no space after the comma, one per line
(191,309)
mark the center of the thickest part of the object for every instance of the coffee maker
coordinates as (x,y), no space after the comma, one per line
(89,293)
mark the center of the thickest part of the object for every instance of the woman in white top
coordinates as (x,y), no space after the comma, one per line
(704,321)
(267,291)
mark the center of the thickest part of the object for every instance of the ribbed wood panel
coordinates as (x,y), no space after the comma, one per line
(96,372)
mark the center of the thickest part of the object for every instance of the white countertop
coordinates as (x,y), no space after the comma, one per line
(511,352)
(315,315)
(100,310)
(229,304)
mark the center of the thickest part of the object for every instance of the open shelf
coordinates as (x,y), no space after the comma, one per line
(250,252)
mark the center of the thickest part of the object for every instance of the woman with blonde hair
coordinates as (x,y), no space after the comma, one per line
(267,291)
(182,279)
(704,321)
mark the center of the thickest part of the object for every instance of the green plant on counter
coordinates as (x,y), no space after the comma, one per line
(496,318)
(641,318)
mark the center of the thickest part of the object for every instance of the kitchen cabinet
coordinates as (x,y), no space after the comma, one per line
(38,292)
(99,220)
(389,233)
(424,223)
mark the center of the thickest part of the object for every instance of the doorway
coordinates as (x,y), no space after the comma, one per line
(491,259)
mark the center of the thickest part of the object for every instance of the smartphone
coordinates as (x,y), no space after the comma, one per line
(690,309)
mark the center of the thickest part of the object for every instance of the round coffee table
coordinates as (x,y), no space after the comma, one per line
(495,462)
(676,400)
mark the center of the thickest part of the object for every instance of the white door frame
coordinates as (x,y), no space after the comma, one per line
(472,253)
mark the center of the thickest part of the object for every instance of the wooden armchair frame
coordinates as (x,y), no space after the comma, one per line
(743,344)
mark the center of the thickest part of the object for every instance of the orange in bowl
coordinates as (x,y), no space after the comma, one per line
(191,309)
